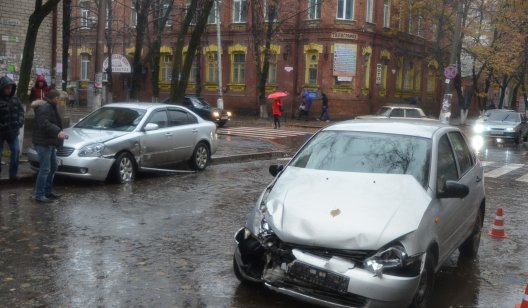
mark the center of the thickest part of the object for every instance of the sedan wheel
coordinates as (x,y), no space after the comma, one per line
(423,296)
(124,169)
(200,157)
(470,247)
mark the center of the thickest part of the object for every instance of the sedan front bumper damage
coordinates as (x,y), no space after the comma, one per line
(321,276)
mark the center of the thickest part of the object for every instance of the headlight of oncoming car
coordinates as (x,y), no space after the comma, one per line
(229,113)
(393,261)
(510,129)
(478,128)
(92,150)
(216,114)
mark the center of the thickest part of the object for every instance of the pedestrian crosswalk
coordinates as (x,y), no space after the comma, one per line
(497,170)
(260,132)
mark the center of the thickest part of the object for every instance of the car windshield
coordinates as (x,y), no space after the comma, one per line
(200,103)
(367,152)
(503,116)
(112,118)
(384,111)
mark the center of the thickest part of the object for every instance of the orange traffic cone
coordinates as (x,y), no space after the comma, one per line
(524,303)
(497,229)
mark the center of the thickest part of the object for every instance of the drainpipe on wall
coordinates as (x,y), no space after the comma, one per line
(54,47)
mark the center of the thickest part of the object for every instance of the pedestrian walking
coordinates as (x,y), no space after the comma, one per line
(40,89)
(11,120)
(47,135)
(307,104)
(324,112)
(276,109)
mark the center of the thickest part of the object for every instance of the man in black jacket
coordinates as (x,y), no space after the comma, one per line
(47,135)
(11,120)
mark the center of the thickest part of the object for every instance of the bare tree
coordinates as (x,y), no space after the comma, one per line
(35,20)
(197,13)
(142,8)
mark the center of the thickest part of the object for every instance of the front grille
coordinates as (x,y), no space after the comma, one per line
(357,256)
(64,151)
(348,299)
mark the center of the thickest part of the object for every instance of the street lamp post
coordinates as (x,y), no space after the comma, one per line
(220,100)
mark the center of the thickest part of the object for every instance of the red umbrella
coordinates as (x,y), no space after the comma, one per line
(277,94)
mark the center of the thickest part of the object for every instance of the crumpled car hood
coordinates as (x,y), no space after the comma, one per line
(344,210)
(78,137)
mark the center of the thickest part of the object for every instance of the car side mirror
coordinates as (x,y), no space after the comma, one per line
(150,126)
(453,189)
(275,169)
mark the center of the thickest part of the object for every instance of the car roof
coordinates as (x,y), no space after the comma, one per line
(420,128)
(138,105)
(400,106)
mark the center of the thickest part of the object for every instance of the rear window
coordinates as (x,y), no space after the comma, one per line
(367,152)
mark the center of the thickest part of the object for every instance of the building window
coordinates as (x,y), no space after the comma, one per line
(165,72)
(369,10)
(213,18)
(271,6)
(312,59)
(386,13)
(133,17)
(168,23)
(238,67)
(212,67)
(85,66)
(408,74)
(240,11)
(419,26)
(314,9)
(85,15)
(367,57)
(432,68)
(345,9)
(417,75)
(272,70)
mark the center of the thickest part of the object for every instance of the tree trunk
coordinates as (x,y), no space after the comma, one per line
(66,21)
(35,20)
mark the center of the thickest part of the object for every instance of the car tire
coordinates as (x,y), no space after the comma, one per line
(200,157)
(469,249)
(424,294)
(124,170)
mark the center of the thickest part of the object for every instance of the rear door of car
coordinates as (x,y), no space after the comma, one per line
(157,145)
(185,128)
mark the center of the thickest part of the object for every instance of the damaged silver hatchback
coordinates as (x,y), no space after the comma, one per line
(364,215)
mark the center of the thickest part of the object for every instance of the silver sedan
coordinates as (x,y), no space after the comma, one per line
(120,139)
(364,215)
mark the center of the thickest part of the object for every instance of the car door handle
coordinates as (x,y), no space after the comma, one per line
(168,134)
(478,179)
(194,130)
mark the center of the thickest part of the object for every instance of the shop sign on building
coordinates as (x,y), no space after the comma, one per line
(345,58)
(120,64)
(379,70)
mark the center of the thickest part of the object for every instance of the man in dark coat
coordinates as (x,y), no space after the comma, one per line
(47,135)
(11,120)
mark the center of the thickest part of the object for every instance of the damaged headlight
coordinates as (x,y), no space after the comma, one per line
(393,261)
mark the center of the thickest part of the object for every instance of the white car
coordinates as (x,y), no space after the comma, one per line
(119,139)
(397,111)
(364,215)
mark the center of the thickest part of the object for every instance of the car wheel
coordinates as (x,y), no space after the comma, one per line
(469,249)
(124,169)
(424,294)
(200,157)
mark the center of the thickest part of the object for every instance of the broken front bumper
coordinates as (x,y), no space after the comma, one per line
(332,281)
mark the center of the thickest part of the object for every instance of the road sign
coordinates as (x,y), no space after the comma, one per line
(450,72)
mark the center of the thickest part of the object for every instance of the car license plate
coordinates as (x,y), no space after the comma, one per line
(496,133)
(319,277)
(224,118)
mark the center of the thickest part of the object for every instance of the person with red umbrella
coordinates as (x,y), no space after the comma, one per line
(276,106)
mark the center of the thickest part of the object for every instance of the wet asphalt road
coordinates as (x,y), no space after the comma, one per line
(167,241)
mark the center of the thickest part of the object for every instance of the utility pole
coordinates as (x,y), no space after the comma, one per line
(99,53)
(220,100)
(445,112)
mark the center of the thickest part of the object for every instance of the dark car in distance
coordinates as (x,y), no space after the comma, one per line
(200,106)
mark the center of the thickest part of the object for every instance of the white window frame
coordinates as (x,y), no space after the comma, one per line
(314,9)
(212,19)
(386,13)
(133,17)
(266,11)
(85,17)
(346,5)
(85,66)
(369,11)
(168,23)
(239,11)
